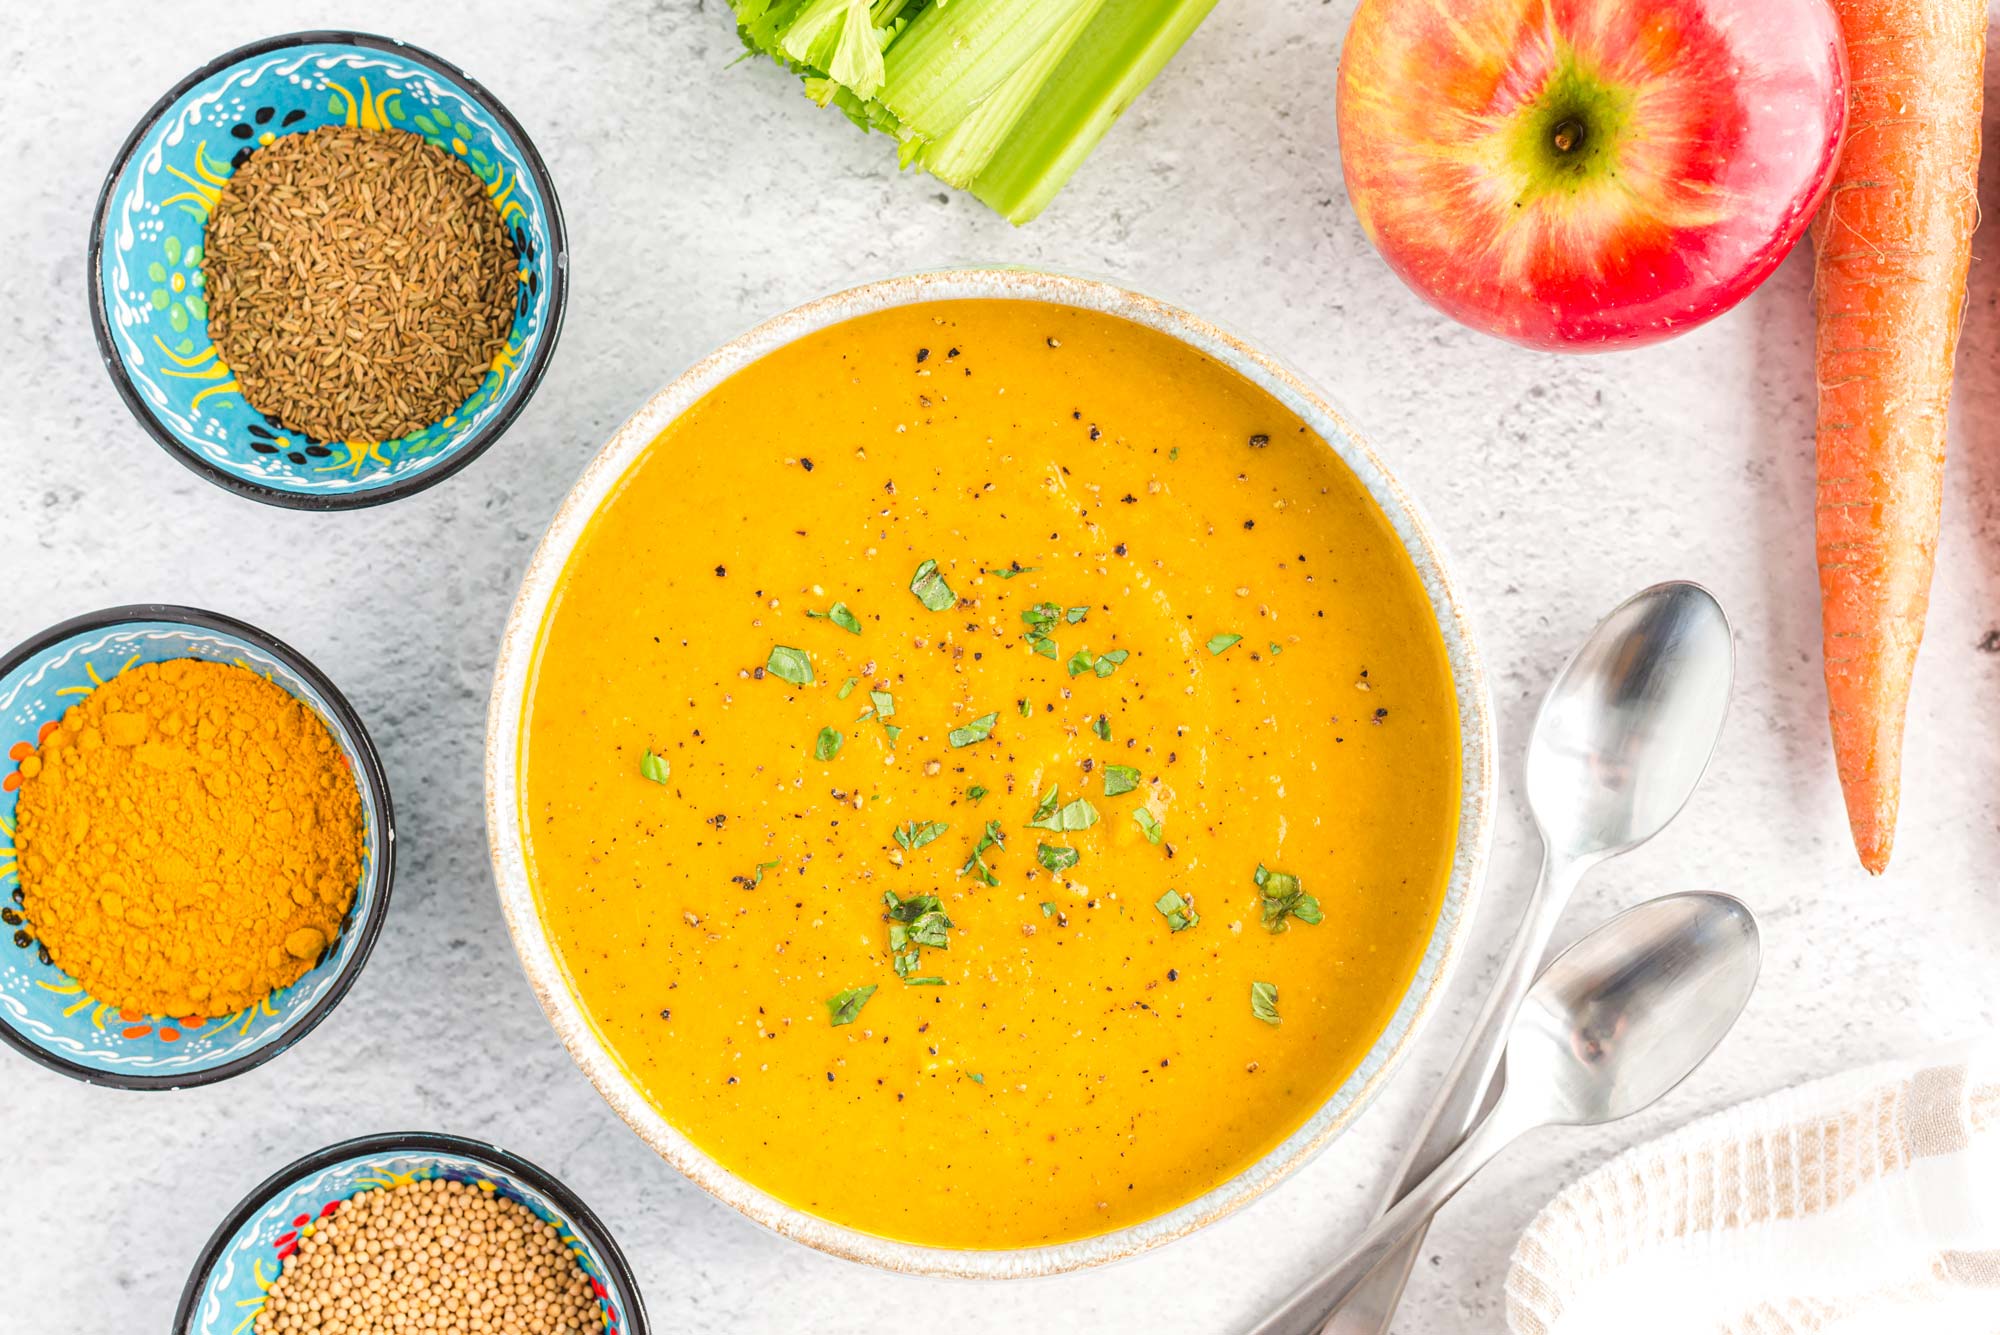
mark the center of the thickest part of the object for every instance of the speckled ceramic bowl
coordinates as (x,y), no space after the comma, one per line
(226,1289)
(603,477)
(46,1014)
(146,297)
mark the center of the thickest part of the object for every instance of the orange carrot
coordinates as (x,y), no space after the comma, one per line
(1891,243)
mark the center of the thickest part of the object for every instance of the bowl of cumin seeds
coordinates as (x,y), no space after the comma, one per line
(327,270)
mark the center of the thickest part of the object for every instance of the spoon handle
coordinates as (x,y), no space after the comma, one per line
(1367,1310)
(1305,1311)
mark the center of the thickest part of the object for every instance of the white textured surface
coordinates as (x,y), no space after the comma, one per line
(701,198)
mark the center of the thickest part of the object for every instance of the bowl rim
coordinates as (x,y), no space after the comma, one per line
(580,1216)
(383,873)
(528,381)
(605,472)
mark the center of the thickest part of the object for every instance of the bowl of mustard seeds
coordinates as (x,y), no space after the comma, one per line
(411,1230)
(196,847)
(327,270)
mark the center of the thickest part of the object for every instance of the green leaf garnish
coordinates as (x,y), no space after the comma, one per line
(1077,815)
(1102,728)
(792,665)
(1179,913)
(842,1007)
(846,689)
(1119,779)
(912,835)
(1152,826)
(655,767)
(1220,642)
(756,879)
(977,1078)
(1275,650)
(976,731)
(1075,615)
(839,616)
(885,703)
(828,745)
(930,588)
(1012,571)
(975,862)
(914,923)
(974,793)
(892,731)
(1048,909)
(1023,707)
(1108,661)
(1081,662)
(1264,1002)
(1284,899)
(1057,857)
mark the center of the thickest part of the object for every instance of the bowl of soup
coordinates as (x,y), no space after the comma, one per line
(987,773)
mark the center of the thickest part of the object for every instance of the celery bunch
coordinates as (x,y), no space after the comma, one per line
(1004,98)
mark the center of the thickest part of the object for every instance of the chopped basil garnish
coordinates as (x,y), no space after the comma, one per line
(974,793)
(932,981)
(1153,827)
(930,588)
(978,1079)
(1119,779)
(1081,662)
(912,835)
(1179,913)
(1077,815)
(975,863)
(1056,857)
(1048,909)
(1012,571)
(1075,615)
(1108,661)
(846,689)
(892,731)
(1275,649)
(655,767)
(1264,1002)
(885,703)
(1221,642)
(1102,728)
(828,745)
(1041,619)
(1284,899)
(792,665)
(1022,706)
(758,879)
(914,923)
(844,1006)
(840,616)
(976,731)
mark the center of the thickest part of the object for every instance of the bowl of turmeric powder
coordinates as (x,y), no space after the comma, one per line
(196,847)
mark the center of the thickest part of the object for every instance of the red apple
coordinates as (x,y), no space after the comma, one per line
(1583,174)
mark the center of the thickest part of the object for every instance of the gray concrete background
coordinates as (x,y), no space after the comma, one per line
(703,197)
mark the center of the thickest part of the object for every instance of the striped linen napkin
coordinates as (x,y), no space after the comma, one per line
(1864,1204)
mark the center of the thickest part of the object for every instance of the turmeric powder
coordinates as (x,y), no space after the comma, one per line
(190,838)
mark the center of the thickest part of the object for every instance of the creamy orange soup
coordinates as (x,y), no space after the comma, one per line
(1024,666)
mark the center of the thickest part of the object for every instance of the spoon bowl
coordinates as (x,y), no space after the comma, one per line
(1625,1014)
(1628,727)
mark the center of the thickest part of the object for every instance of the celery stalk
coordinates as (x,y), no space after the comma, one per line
(960,154)
(1107,69)
(1005,98)
(953,55)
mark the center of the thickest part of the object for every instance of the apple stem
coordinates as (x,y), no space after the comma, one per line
(1568,135)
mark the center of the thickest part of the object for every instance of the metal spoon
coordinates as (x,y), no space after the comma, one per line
(1616,1021)
(1620,743)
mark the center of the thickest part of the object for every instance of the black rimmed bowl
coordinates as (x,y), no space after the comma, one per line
(228,1285)
(146,298)
(46,1014)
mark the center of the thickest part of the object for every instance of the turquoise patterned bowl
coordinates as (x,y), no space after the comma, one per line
(146,299)
(226,1290)
(46,1014)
